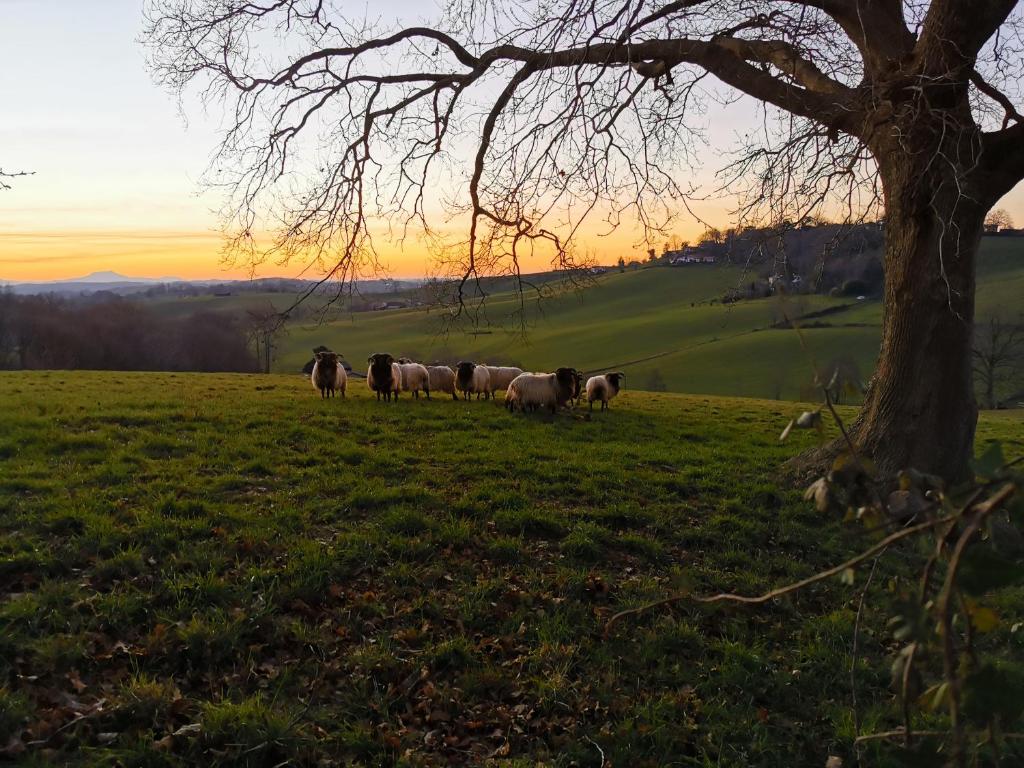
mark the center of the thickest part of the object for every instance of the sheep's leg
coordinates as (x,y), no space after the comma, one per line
(427,390)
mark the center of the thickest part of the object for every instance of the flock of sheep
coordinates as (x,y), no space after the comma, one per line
(523,391)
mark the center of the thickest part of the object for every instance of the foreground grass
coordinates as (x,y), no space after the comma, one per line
(228,570)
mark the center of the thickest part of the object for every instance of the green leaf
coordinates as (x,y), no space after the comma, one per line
(990,462)
(940,697)
(984,619)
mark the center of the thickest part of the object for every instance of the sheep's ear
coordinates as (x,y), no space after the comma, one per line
(318,356)
(370,359)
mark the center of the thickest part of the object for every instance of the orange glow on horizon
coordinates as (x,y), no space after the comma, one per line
(31,256)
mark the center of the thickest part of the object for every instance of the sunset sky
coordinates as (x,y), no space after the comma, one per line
(117,167)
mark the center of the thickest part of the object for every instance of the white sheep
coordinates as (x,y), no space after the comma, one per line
(604,388)
(501,377)
(442,379)
(529,391)
(328,374)
(384,376)
(414,377)
(471,378)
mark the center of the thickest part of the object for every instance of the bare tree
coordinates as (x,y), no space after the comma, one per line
(1000,219)
(998,356)
(524,119)
(264,326)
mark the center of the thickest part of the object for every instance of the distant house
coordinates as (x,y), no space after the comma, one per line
(993,229)
(597,270)
(380,305)
(689,256)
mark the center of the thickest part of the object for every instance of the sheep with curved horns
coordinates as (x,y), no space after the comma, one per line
(530,391)
(471,378)
(384,376)
(604,388)
(501,377)
(442,379)
(328,374)
(414,377)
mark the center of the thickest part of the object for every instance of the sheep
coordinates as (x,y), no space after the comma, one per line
(530,391)
(472,378)
(501,377)
(604,388)
(384,376)
(414,377)
(328,374)
(442,379)
(577,388)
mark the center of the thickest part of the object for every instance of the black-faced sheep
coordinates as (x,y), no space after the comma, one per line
(530,391)
(577,387)
(471,378)
(328,374)
(604,388)
(384,376)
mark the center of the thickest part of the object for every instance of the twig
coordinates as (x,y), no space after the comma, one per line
(950,663)
(597,746)
(853,653)
(780,591)
(898,733)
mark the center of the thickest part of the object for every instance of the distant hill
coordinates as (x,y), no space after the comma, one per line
(665,327)
(114,282)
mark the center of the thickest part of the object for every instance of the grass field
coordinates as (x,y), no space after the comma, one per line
(658,325)
(219,569)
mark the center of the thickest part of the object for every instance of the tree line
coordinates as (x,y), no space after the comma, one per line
(47,332)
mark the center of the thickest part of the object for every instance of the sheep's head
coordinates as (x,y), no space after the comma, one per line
(404,360)
(327,359)
(464,372)
(616,379)
(565,379)
(380,364)
(577,384)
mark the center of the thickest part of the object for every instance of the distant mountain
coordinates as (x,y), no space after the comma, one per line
(109,276)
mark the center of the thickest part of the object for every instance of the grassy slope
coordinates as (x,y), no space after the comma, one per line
(701,347)
(356,582)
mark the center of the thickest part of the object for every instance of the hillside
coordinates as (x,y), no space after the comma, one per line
(662,326)
(224,569)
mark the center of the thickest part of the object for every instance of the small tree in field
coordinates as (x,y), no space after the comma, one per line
(1000,219)
(525,118)
(998,357)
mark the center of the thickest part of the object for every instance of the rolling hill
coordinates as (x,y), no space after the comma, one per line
(665,327)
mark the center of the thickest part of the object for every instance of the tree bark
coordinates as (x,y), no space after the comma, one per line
(919,408)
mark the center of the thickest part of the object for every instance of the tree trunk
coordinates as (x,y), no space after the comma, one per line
(920,410)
